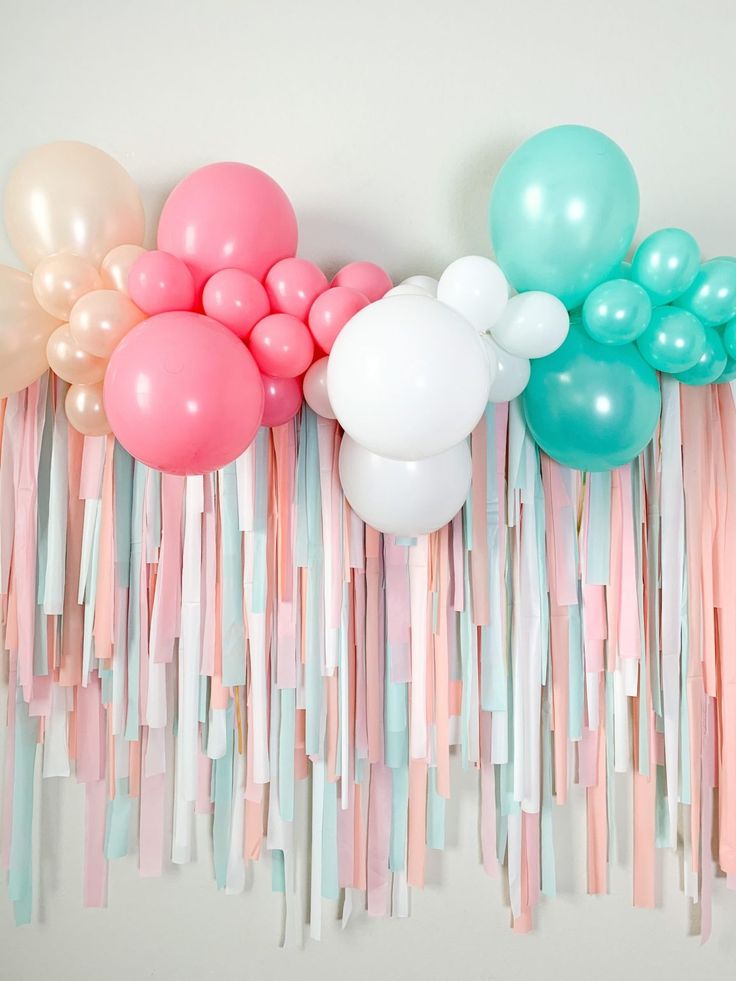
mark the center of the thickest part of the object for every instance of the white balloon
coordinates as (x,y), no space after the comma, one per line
(406,289)
(533,325)
(407,377)
(314,387)
(405,497)
(511,373)
(475,287)
(426,283)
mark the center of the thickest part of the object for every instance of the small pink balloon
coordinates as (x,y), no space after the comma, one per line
(283,399)
(365,277)
(331,311)
(315,389)
(183,394)
(293,285)
(159,282)
(236,299)
(281,345)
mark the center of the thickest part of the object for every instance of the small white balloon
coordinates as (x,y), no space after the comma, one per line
(426,283)
(475,287)
(406,289)
(533,325)
(511,373)
(405,497)
(314,387)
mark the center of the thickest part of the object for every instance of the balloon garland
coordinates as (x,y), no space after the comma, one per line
(258,526)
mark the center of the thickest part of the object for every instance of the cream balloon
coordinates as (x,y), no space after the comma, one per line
(509,374)
(25,329)
(100,320)
(314,387)
(70,362)
(533,325)
(85,411)
(426,283)
(116,266)
(71,197)
(475,287)
(60,280)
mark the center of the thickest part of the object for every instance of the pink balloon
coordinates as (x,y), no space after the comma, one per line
(331,311)
(159,282)
(281,345)
(314,387)
(236,299)
(228,215)
(293,285)
(182,394)
(283,400)
(365,277)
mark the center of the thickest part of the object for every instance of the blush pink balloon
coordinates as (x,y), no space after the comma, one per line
(283,399)
(331,311)
(281,345)
(236,299)
(293,285)
(314,387)
(228,216)
(182,394)
(365,277)
(159,282)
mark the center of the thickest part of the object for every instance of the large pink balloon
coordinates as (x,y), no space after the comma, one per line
(183,394)
(228,216)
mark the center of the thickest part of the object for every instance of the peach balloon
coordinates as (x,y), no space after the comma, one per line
(117,264)
(85,411)
(71,197)
(70,362)
(100,320)
(25,329)
(61,279)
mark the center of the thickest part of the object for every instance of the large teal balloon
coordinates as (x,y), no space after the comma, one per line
(712,363)
(592,406)
(674,340)
(712,296)
(666,263)
(564,209)
(616,312)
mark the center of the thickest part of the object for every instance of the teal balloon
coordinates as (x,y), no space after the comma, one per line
(592,406)
(711,364)
(712,295)
(729,372)
(674,340)
(666,264)
(616,312)
(563,214)
(728,336)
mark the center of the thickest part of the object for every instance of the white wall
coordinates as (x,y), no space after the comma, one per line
(385,120)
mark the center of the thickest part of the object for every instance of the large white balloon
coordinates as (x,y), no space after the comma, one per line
(533,325)
(408,377)
(509,374)
(405,497)
(475,287)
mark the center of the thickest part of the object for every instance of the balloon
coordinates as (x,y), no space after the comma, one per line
(315,389)
(616,312)
(428,284)
(532,325)
(117,264)
(158,282)
(70,362)
(592,406)
(281,345)
(100,320)
(712,361)
(228,216)
(666,263)
(409,289)
(712,296)
(405,497)
(183,394)
(564,210)
(509,374)
(236,299)
(673,341)
(476,288)
(407,377)
(728,336)
(283,399)
(293,285)
(331,311)
(365,277)
(85,411)
(60,280)
(71,197)
(729,372)
(25,329)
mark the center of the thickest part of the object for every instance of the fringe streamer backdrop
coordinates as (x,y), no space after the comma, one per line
(562,629)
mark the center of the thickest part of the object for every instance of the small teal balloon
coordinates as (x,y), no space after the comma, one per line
(592,406)
(616,312)
(674,340)
(729,372)
(711,364)
(666,264)
(712,295)
(564,209)
(728,336)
